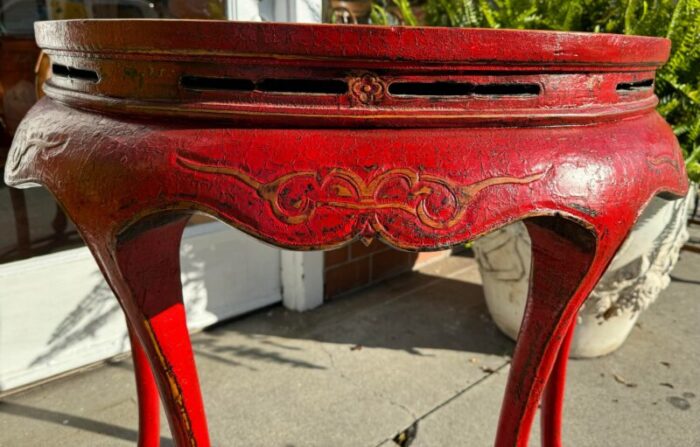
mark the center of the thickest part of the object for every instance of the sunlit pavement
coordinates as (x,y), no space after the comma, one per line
(417,355)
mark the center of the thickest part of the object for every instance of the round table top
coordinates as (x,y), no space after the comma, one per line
(338,75)
(312,41)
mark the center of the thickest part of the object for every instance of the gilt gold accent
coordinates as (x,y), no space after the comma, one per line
(175,390)
(663,160)
(401,189)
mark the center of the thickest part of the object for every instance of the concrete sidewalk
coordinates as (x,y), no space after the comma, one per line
(417,354)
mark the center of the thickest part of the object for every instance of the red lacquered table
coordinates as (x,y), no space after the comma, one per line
(310,136)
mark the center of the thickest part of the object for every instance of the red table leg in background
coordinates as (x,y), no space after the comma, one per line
(149,400)
(553,398)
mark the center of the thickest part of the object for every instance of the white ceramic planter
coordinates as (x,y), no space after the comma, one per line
(634,279)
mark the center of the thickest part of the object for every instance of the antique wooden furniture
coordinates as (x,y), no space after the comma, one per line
(310,136)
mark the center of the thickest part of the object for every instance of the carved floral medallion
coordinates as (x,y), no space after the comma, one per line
(367,88)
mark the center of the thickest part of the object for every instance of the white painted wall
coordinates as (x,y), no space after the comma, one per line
(302,279)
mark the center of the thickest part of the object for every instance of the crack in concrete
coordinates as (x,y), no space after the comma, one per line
(376,394)
(413,427)
(379,395)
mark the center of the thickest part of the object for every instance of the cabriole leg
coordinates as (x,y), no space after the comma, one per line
(19,207)
(567,262)
(149,403)
(143,267)
(553,399)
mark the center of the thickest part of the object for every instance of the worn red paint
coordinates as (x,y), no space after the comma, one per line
(423,138)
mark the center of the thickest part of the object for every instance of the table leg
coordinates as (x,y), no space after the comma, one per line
(143,267)
(567,262)
(19,207)
(59,223)
(149,402)
(553,399)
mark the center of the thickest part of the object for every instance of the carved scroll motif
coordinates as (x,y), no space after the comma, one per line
(23,142)
(663,160)
(437,202)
